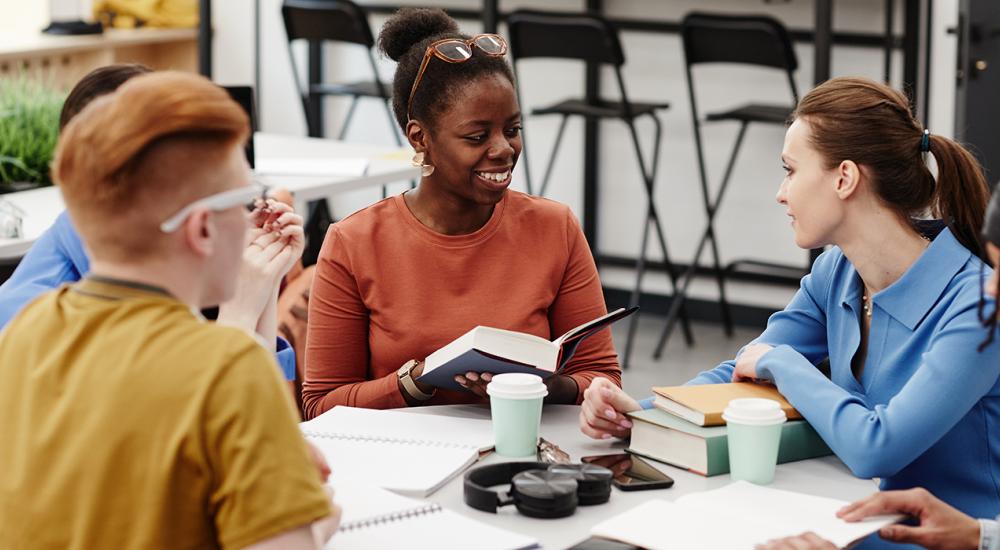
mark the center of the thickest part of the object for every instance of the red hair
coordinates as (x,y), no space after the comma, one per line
(133,157)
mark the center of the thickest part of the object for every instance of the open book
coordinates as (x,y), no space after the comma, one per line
(377,519)
(412,454)
(497,351)
(751,515)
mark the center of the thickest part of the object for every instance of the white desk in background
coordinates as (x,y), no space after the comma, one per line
(827,477)
(385,165)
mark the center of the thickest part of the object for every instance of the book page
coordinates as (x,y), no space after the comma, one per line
(786,512)
(751,514)
(606,319)
(663,525)
(404,426)
(414,470)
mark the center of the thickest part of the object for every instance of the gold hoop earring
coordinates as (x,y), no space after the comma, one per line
(425,169)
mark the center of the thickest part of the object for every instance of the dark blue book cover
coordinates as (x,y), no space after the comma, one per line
(475,361)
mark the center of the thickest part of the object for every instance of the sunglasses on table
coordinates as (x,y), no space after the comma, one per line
(247,196)
(456,50)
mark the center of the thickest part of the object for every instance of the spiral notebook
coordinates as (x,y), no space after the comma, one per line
(373,445)
(375,519)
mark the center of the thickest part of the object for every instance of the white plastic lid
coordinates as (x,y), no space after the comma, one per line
(754,411)
(517,385)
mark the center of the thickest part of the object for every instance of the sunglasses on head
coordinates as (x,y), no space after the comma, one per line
(456,50)
(243,196)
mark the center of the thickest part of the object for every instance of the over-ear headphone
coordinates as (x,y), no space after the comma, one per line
(538,489)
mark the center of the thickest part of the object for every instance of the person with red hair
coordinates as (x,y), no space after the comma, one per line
(132,422)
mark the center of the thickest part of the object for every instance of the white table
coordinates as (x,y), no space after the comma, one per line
(385,165)
(825,476)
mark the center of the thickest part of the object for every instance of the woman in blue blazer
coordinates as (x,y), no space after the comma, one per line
(893,304)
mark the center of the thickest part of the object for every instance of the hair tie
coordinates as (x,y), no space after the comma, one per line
(927,156)
(925,142)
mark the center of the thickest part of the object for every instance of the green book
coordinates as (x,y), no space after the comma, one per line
(703,450)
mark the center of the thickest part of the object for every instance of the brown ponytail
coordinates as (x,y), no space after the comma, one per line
(871,124)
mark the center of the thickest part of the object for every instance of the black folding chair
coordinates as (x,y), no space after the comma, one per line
(318,21)
(592,39)
(749,40)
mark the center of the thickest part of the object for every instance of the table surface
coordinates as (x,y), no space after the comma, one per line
(827,477)
(385,165)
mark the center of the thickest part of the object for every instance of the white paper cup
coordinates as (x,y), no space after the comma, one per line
(516,407)
(754,434)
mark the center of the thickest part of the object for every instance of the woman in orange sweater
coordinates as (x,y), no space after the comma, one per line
(407,275)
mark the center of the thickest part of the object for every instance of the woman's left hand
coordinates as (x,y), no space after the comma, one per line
(475,382)
(746,363)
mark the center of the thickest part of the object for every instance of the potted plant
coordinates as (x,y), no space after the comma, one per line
(29,129)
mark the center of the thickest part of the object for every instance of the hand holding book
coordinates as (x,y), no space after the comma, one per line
(602,414)
(486,350)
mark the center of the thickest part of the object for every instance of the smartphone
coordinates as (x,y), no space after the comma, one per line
(632,473)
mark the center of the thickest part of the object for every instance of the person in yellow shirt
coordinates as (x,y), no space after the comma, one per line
(127,420)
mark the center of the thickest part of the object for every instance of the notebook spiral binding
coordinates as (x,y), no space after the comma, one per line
(376,439)
(389,518)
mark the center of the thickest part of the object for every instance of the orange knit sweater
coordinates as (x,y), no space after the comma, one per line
(389,289)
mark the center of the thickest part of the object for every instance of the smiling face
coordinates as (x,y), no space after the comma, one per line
(476,141)
(809,189)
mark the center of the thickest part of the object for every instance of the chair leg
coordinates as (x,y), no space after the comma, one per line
(347,119)
(653,215)
(709,236)
(669,265)
(640,268)
(552,157)
(720,275)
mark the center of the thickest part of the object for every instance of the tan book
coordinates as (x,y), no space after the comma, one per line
(703,404)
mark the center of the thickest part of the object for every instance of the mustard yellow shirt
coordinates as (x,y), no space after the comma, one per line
(126,421)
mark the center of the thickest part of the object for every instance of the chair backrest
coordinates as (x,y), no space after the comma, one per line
(244,96)
(333,20)
(754,40)
(563,35)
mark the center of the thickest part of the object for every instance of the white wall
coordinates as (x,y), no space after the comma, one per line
(749,223)
(19,17)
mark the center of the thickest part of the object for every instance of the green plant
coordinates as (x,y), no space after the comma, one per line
(29,129)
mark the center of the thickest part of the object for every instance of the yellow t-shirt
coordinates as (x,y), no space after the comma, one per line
(126,421)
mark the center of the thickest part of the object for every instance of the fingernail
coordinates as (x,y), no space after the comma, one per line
(625,424)
(487,376)
(610,413)
(605,436)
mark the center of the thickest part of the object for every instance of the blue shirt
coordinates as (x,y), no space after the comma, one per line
(58,257)
(926,406)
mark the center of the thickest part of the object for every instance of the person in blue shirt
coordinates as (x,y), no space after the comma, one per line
(940,527)
(893,304)
(58,256)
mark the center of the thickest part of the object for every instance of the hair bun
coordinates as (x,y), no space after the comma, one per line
(409,26)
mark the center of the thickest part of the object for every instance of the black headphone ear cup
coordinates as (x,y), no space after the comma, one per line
(544,494)
(593,481)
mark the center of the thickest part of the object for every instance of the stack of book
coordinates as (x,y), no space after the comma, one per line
(685,428)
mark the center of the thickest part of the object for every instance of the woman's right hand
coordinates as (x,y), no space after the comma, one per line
(602,415)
